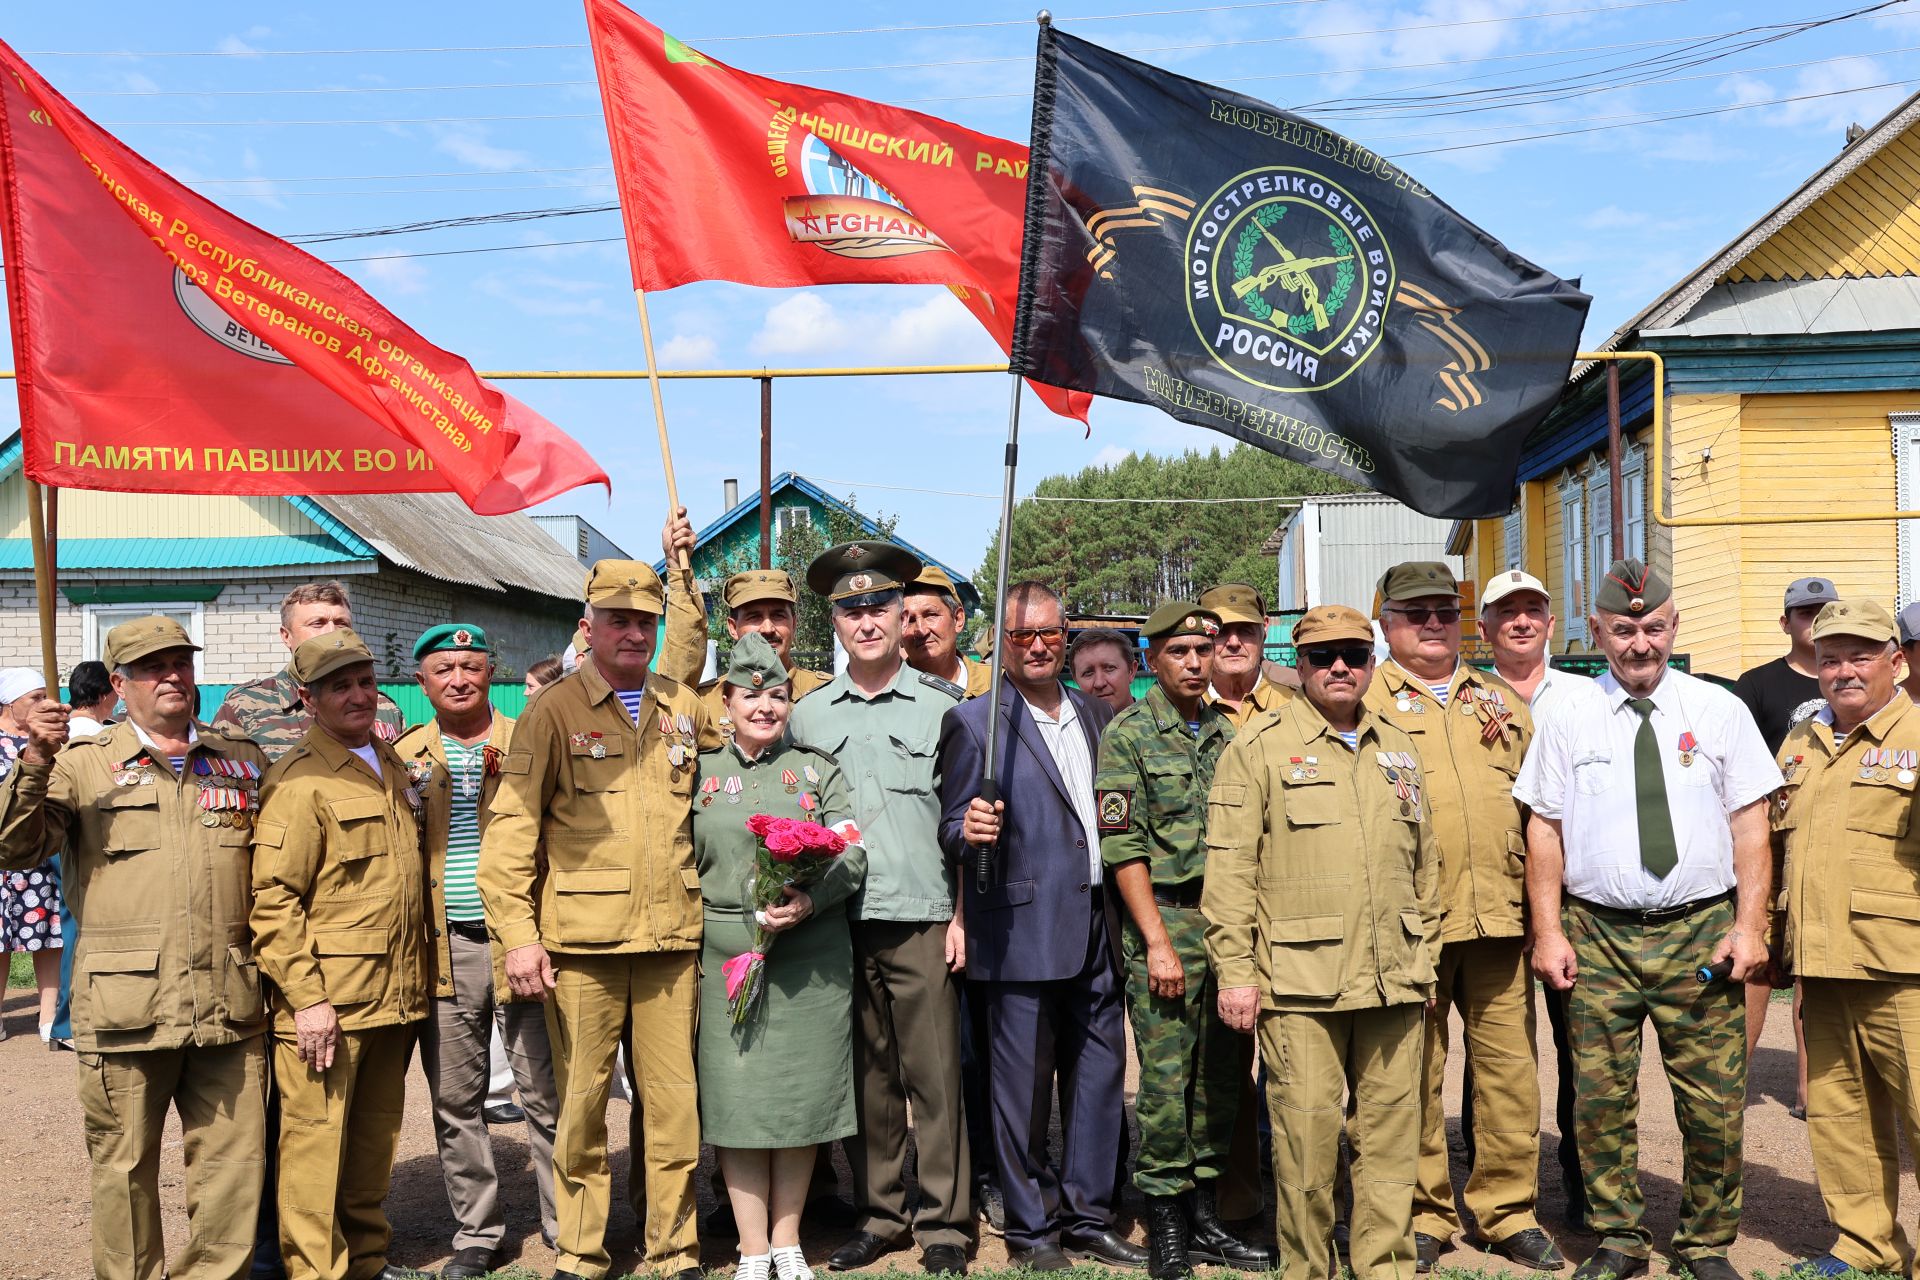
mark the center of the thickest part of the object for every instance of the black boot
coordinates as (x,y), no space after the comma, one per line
(1166,1240)
(1211,1242)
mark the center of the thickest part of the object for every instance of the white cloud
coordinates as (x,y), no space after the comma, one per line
(396,276)
(547,296)
(469,147)
(688,351)
(237,47)
(1109,456)
(804,324)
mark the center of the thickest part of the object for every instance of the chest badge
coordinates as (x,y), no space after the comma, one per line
(1688,745)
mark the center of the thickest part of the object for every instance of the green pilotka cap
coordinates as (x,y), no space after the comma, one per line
(754,664)
(1180,618)
(1631,588)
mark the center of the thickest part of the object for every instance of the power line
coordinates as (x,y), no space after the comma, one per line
(454,253)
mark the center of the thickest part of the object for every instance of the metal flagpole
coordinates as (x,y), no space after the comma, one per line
(989,786)
(659,412)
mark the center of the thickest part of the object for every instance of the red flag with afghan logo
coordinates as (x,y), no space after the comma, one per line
(726,175)
(163,345)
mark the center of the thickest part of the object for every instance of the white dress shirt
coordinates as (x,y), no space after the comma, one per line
(1579,770)
(1067,744)
(1552,693)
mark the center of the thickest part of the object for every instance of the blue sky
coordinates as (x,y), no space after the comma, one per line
(438,111)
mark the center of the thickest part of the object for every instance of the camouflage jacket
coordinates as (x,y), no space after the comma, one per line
(1151,786)
(269,711)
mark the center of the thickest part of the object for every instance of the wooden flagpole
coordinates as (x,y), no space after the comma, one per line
(44,575)
(659,411)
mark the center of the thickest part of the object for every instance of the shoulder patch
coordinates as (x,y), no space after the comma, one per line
(947,687)
(1116,809)
(822,752)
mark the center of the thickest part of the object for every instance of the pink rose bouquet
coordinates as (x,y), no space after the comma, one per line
(793,854)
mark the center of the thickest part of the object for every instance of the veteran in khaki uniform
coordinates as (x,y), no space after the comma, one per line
(1471,732)
(1852,917)
(153,814)
(598,790)
(454,761)
(1241,683)
(340,926)
(930,632)
(1156,765)
(1323,924)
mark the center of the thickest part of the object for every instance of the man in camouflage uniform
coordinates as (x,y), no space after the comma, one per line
(1156,764)
(269,710)
(1647,861)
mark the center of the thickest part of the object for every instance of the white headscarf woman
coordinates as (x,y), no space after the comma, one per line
(30,905)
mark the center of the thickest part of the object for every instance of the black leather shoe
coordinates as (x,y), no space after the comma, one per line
(1606,1263)
(943,1260)
(1042,1257)
(505,1113)
(1426,1251)
(1167,1256)
(826,1210)
(1714,1268)
(863,1250)
(568,1275)
(468,1264)
(1209,1241)
(1108,1248)
(1532,1248)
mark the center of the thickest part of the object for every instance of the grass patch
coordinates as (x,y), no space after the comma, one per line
(20,969)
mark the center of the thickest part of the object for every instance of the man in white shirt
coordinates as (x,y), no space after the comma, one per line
(1517,622)
(1648,860)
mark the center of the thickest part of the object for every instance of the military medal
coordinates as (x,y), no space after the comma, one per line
(733,789)
(577,741)
(807,803)
(791,780)
(1868,759)
(1905,760)
(707,789)
(1792,765)
(1313,763)
(685,723)
(666,724)
(808,772)
(1299,769)
(1403,703)
(1687,747)
(597,749)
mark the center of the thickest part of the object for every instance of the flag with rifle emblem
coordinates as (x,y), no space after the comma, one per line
(1246,270)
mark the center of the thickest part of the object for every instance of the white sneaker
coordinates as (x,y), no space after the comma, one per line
(757,1267)
(791,1264)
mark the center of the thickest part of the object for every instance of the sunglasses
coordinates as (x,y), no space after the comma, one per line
(1052,637)
(1419,616)
(1355,656)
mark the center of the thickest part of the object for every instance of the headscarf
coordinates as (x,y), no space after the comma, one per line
(18,681)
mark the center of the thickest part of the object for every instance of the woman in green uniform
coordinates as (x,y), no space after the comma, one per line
(780,1083)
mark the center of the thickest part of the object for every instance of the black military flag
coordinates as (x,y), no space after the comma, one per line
(1244,269)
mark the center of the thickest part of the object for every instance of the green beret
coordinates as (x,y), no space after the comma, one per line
(1179,618)
(1416,578)
(754,664)
(450,637)
(1631,588)
(854,574)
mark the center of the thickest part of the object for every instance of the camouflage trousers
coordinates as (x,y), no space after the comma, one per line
(1630,972)
(1190,1064)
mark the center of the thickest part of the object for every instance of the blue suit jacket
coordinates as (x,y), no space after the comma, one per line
(1031,924)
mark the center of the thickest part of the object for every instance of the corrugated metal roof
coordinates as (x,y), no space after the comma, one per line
(153,554)
(438,535)
(1678,301)
(1762,307)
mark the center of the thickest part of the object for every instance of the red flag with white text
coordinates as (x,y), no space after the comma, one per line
(726,175)
(164,345)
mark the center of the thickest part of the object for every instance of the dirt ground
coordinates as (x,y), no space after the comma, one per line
(44,1177)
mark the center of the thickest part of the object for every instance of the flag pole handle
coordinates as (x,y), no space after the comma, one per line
(44,573)
(989,786)
(659,413)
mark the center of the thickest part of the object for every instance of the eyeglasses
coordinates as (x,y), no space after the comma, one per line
(1355,656)
(1418,616)
(1052,637)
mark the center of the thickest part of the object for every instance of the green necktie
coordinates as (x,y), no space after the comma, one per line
(1658,853)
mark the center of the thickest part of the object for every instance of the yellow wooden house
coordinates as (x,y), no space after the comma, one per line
(1793,385)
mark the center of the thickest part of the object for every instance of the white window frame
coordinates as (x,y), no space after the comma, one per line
(1573,551)
(1633,485)
(1906,471)
(783,517)
(92,635)
(1600,554)
(1513,535)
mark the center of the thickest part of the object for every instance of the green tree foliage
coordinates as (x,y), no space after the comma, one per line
(794,549)
(1127,557)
